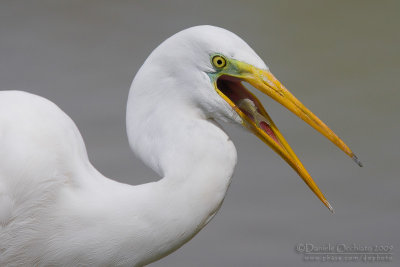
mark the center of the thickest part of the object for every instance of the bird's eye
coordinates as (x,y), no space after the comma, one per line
(219,61)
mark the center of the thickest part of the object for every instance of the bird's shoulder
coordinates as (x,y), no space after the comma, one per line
(38,142)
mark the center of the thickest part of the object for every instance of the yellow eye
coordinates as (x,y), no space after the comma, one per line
(219,61)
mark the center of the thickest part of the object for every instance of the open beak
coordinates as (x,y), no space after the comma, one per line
(255,118)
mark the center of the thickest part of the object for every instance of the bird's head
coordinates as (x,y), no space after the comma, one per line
(207,67)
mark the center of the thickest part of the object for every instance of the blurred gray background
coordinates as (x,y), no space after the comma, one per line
(340,58)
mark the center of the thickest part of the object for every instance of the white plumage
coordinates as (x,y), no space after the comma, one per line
(57,209)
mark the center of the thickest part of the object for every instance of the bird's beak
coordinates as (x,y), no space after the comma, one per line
(255,118)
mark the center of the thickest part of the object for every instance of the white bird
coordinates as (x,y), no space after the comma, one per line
(57,209)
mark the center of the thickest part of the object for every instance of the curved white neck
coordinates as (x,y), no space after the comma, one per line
(194,156)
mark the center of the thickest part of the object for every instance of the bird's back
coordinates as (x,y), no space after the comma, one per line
(41,153)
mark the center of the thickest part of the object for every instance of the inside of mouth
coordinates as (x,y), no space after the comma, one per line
(233,88)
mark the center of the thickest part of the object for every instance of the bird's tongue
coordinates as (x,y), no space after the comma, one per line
(268,130)
(248,107)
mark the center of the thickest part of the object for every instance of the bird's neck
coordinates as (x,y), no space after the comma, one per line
(196,159)
(192,154)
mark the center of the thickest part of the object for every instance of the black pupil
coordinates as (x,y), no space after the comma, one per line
(219,61)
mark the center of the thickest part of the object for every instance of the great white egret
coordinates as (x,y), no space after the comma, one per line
(57,209)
